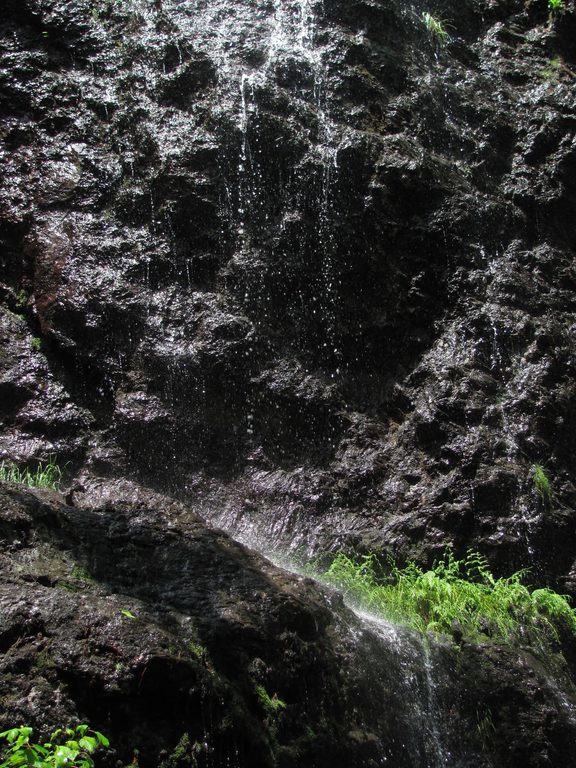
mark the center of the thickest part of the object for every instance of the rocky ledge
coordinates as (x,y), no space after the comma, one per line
(185,646)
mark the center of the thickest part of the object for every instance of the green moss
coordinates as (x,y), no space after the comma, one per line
(45,661)
(552,70)
(272,705)
(81,573)
(196,649)
(461,592)
(21,299)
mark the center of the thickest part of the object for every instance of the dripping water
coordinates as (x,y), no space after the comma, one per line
(293,33)
(521,512)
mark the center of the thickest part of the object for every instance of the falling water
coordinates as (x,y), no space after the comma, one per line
(417,686)
(405,661)
(502,370)
(292,35)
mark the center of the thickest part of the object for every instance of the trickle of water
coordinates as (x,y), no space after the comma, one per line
(417,687)
(441,754)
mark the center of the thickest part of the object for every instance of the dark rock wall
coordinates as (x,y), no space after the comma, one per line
(311,273)
(298,265)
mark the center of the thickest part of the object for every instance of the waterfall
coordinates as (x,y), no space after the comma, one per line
(416,685)
(291,41)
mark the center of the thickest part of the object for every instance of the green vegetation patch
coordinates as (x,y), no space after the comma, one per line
(271,705)
(542,483)
(453,593)
(67,747)
(48,475)
(436,27)
(184,754)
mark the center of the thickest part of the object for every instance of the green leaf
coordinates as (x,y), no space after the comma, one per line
(10,735)
(128,614)
(87,743)
(74,753)
(65,756)
(102,739)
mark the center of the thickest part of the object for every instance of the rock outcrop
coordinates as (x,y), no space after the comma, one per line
(299,265)
(303,270)
(187,649)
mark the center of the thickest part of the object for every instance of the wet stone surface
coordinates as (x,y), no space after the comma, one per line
(160,632)
(300,268)
(298,265)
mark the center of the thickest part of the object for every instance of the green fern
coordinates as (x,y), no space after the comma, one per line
(453,592)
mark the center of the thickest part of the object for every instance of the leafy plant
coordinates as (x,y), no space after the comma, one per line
(556,5)
(70,747)
(542,483)
(21,299)
(436,27)
(196,649)
(127,614)
(271,705)
(453,592)
(47,475)
(184,754)
(36,343)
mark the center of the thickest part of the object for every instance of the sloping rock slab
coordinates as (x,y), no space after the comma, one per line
(188,648)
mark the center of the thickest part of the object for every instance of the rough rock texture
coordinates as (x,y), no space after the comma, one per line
(298,264)
(308,272)
(141,620)
(160,632)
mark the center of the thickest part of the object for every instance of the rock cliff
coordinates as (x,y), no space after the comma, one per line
(187,649)
(306,269)
(299,265)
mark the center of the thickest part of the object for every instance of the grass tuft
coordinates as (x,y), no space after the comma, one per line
(436,27)
(48,475)
(271,705)
(542,483)
(454,593)
(556,5)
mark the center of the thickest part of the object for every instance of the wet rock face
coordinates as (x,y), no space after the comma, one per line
(297,264)
(143,621)
(179,643)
